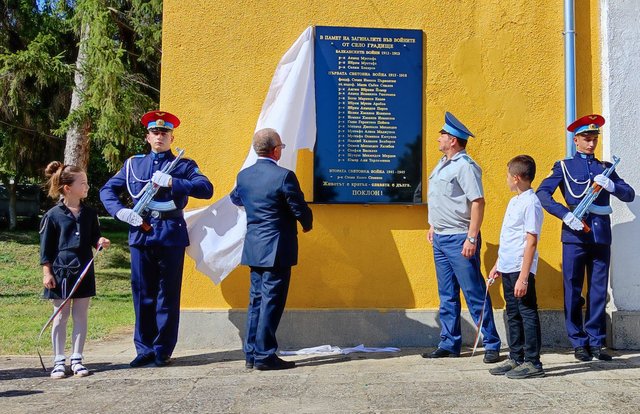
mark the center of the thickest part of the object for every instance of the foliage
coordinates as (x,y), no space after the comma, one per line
(35,78)
(121,70)
(39,54)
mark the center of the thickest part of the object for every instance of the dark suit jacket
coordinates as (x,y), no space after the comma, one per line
(273,201)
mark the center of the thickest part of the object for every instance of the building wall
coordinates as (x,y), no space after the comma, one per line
(497,65)
(621,94)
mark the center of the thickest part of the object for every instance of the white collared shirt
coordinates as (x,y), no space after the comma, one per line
(270,159)
(524,215)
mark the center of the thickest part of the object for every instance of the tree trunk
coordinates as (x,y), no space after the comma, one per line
(13,217)
(76,151)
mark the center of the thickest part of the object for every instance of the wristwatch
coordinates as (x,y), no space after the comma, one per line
(472,240)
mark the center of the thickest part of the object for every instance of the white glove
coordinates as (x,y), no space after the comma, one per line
(161,179)
(605,183)
(572,221)
(129,216)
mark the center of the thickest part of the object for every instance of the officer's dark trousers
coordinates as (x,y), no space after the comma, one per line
(267,298)
(522,320)
(156,279)
(594,259)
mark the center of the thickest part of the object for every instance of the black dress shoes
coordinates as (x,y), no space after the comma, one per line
(162,360)
(142,360)
(491,357)
(598,353)
(248,363)
(440,353)
(582,354)
(273,363)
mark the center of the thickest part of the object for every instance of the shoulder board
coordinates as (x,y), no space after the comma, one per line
(468,159)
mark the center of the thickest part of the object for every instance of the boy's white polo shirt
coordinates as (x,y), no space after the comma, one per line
(524,215)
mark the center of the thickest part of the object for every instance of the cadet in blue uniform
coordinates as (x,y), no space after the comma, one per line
(584,250)
(456,209)
(157,256)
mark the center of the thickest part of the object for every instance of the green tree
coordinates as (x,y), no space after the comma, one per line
(117,77)
(82,70)
(34,75)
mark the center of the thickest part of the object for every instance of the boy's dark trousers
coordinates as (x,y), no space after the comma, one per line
(522,320)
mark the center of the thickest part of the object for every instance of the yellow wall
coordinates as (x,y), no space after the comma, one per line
(497,65)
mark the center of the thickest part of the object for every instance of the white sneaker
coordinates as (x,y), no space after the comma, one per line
(78,369)
(58,371)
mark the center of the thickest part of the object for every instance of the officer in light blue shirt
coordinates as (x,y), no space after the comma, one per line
(456,208)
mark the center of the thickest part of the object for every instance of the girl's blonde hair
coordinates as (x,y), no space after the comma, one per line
(58,175)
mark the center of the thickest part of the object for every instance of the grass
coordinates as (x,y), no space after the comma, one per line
(23,312)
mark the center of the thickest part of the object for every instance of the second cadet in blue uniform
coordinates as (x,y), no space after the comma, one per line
(584,250)
(157,255)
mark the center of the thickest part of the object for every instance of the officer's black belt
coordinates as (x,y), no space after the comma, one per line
(161,215)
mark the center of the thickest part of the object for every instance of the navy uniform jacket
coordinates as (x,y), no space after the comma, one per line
(187,181)
(582,168)
(273,201)
(67,243)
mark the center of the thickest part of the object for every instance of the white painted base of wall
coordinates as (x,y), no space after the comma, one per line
(224,329)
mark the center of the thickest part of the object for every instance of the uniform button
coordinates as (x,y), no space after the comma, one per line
(77,234)
(155,162)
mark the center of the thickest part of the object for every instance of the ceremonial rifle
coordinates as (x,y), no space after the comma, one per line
(151,188)
(583,208)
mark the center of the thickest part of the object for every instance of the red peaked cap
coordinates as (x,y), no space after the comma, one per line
(588,123)
(160,120)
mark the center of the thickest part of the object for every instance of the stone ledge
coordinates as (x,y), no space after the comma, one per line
(625,329)
(346,327)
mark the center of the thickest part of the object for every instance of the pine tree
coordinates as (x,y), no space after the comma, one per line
(34,78)
(117,77)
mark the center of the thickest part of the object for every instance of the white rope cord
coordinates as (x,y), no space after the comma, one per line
(128,170)
(565,173)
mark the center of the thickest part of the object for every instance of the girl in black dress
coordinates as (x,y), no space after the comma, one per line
(68,234)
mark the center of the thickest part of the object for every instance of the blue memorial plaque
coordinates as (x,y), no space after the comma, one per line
(368,86)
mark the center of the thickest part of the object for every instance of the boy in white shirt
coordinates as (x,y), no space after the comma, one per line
(517,263)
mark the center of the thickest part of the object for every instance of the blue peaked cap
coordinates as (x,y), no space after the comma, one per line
(454,127)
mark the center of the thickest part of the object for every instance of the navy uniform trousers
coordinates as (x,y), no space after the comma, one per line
(156,280)
(594,258)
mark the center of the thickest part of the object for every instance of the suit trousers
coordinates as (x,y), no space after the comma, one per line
(156,280)
(455,272)
(267,298)
(594,260)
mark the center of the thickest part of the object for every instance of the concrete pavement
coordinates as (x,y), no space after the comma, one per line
(216,381)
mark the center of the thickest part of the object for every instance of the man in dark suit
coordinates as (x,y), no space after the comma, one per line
(273,202)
